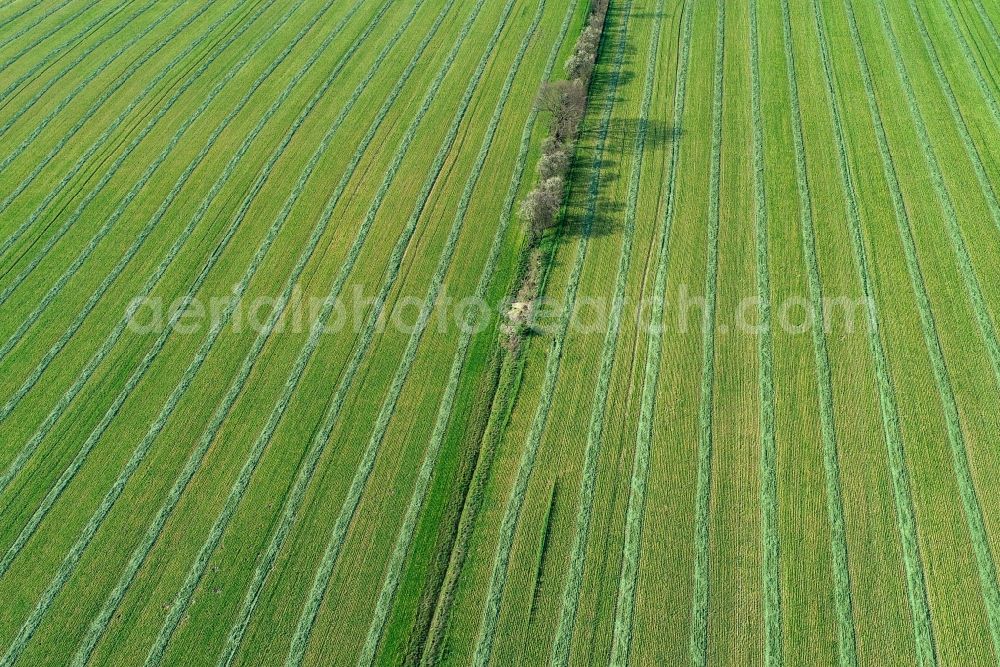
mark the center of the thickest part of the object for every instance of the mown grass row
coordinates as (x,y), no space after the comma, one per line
(846,643)
(111,171)
(987,21)
(916,581)
(958,244)
(71,270)
(466,521)
(429,464)
(307,619)
(963,42)
(94,73)
(21,12)
(37,40)
(97,519)
(109,130)
(142,551)
(29,448)
(770,540)
(183,598)
(959,448)
(631,546)
(985,186)
(69,43)
(699,613)
(297,493)
(498,580)
(562,645)
(902,493)
(160,18)
(241,287)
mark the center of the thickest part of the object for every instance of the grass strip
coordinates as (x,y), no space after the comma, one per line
(404,539)
(631,547)
(109,130)
(491,610)
(846,641)
(699,620)
(562,646)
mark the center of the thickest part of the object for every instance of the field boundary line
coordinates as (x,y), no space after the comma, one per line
(562,646)
(959,447)
(491,610)
(699,609)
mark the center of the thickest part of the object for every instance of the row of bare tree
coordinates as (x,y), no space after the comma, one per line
(566,101)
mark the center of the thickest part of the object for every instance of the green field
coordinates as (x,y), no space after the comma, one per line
(754,419)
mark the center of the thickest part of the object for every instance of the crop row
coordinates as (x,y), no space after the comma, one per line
(25,453)
(699,621)
(87,52)
(398,556)
(19,13)
(623,628)
(984,87)
(95,71)
(973,511)
(987,21)
(984,182)
(194,461)
(887,397)
(491,610)
(136,140)
(595,431)
(94,108)
(944,197)
(42,64)
(770,541)
(140,452)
